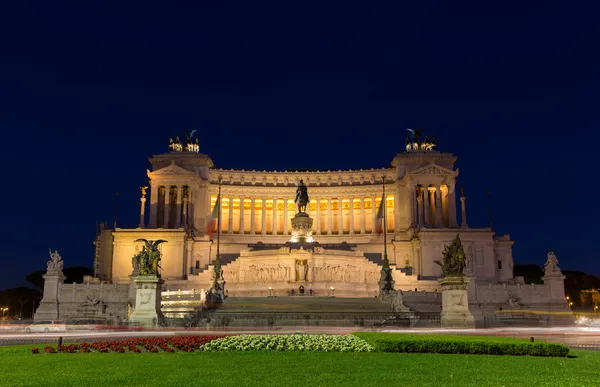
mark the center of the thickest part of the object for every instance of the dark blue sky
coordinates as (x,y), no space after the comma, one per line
(89,92)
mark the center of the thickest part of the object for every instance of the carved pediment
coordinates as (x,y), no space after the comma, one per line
(171,170)
(432,169)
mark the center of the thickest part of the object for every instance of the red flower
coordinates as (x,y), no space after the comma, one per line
(35,350)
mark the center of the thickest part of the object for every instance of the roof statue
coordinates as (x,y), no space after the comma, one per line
(189,146)
(147,261)
(301,199)
(454,262)
(55,262)
(413,142)
(551,263)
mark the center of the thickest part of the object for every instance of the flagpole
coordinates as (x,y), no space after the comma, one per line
(385,256)
(218,257)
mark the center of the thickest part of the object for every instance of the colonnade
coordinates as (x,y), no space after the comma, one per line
(170,206)
(433,206)
(267,215)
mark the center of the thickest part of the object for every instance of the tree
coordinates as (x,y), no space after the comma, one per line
(531,273)
(21,301)
(73,274)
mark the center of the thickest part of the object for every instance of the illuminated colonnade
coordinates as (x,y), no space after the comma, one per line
(271,215)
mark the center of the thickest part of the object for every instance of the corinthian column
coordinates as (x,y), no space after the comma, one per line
(318,215)
(275,222)
(463,209)
(374,214)
(178,201)
(286,219)
(414,221)
(241,215)
(438,206)
(420,205)
(230,216)
(340,216)
(351,220)
(142,207)
(426,204)
(263,228)
(153,205)
(329,216)
(252,214)
(362,214)
(184,216)
(167,206)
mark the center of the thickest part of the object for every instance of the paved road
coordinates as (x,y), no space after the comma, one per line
(575,337)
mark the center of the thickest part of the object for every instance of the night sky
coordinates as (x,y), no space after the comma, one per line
(89,92)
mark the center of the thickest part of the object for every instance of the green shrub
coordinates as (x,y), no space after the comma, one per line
(462,345)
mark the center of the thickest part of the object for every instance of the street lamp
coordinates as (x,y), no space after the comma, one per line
(270,291)
(4,309)
(332,291)
(595,309)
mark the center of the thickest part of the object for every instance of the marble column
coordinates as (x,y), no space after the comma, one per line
(438,206)
(351,220)
(340,216)
(274,222)
(286,218)
(318,200)
(426,203)
(167,206)
(374,214)
(152,222)
(142,211)
(414,216)
(362,215)
(252,215)
(263,228)
(178,205)
(420,205)
(463,209)
(452,207)
(241,215)
(184,215)
(329,216)
(230,216)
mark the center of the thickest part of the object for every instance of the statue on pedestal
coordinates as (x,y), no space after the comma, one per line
(55,262)
(147,261)
(551,263)
(453,283)
(301,199)
(454,261)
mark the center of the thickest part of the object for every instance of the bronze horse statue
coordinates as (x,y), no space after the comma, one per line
(302,199)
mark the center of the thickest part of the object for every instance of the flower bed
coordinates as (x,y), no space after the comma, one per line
(325,343)
(136,345)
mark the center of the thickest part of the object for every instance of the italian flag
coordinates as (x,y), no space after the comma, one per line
(211,225)
(380,216)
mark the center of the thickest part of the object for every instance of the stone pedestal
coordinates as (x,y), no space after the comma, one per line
(302,228)
(554,281)
(48,309)
(147,310)
(455,303)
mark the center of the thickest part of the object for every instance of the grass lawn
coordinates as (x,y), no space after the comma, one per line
(307,369)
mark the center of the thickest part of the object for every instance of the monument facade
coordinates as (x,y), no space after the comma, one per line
(275,239)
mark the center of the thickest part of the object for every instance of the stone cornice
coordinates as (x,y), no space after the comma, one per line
(274,179)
